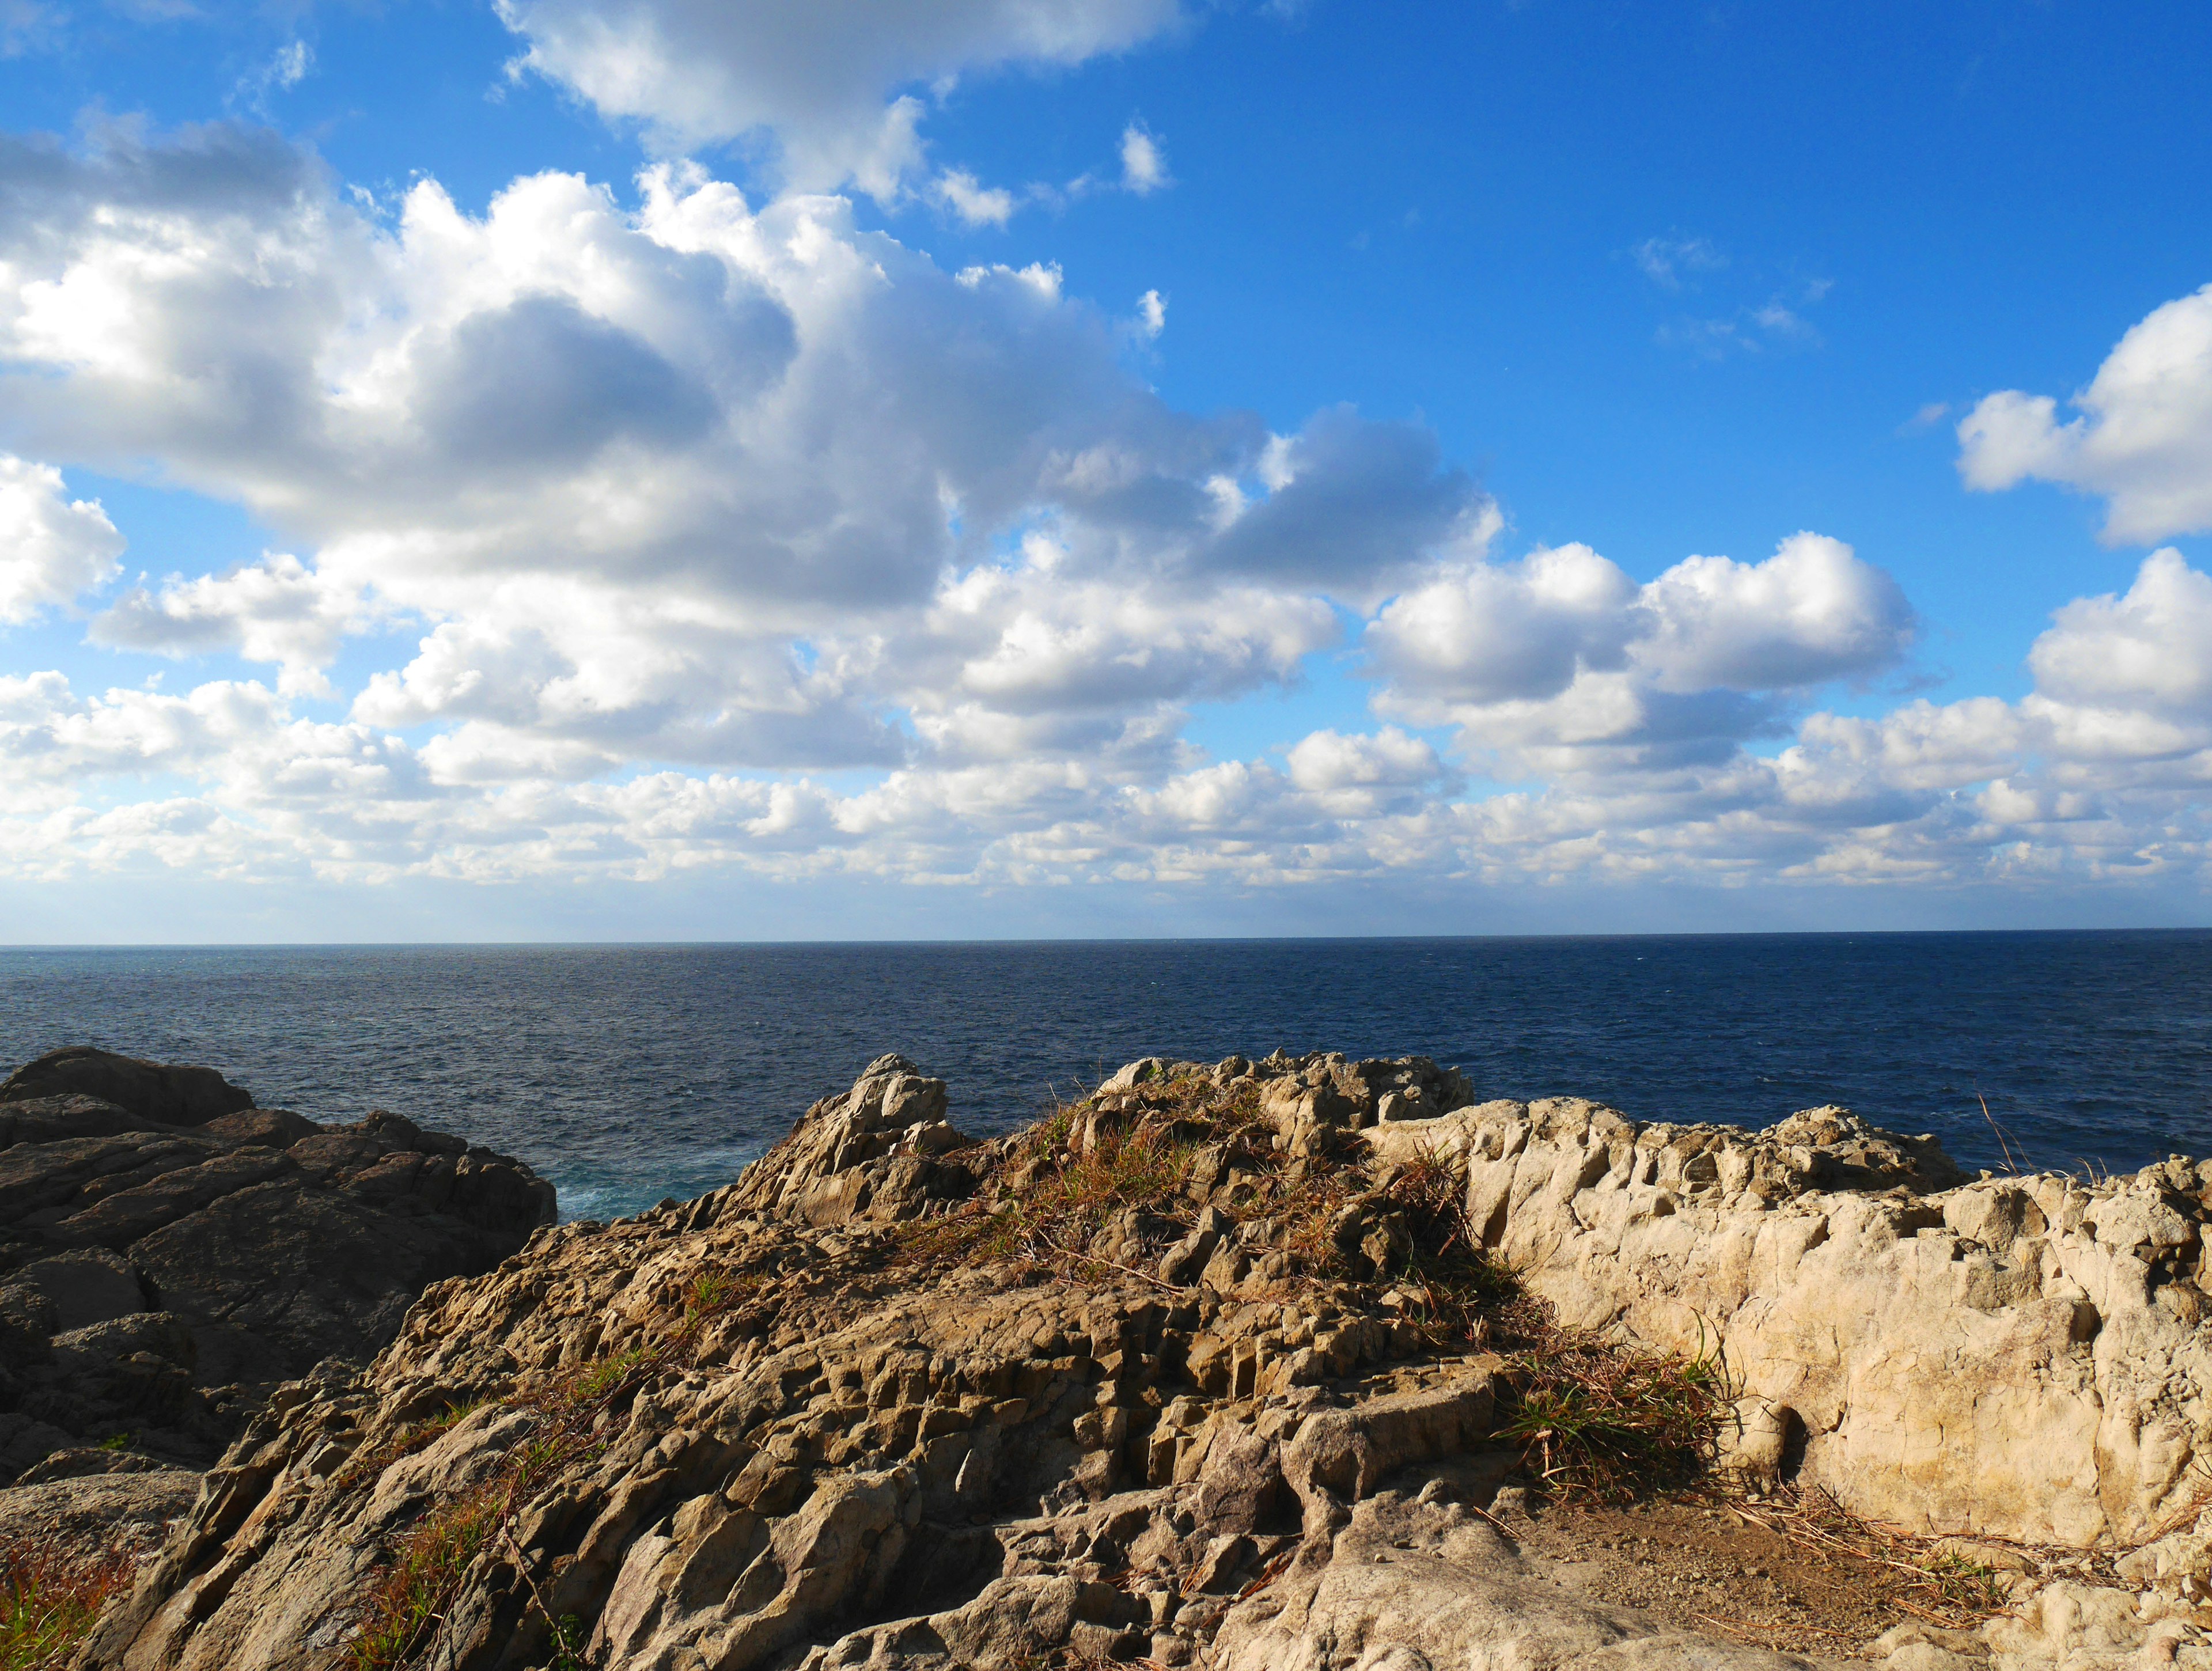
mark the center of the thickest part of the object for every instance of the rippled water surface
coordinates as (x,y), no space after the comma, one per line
(628,1073)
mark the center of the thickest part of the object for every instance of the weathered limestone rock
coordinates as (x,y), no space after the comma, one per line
(129,1509)
(2012,1357)
(869,1153)
(1411,1583)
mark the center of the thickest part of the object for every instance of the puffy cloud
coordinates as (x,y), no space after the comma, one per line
(2150,649)
(1481,633)
(1350,502)
(52,547)
(2054,788)
(2141,438)
(693,482)
(1810,613)
(278,610)
(1561,661)
(973,201)
(823,81)
(688,489)
(1040,659)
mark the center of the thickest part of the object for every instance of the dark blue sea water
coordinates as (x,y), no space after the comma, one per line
(628,1073)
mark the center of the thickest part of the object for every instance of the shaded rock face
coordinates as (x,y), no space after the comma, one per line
(761,1429)
(150,1090)
(157,1278)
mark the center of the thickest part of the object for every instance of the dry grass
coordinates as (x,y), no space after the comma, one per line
(430,1561)
(1596,1421)
(1057,1187)
(1945,1590)
(49,1598)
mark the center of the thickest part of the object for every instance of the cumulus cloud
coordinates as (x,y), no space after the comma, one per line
(973,201)
(1810,613)
(1561,659)
(696,482)
(675,492)
(2141,438)
(824,84)
(52,547)
(2146,654)
(278,610)
(2103,780)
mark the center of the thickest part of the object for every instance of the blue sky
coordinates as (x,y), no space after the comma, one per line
(987,466)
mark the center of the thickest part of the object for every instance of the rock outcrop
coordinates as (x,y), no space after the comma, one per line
(156,1091)
(169,1253)
(2012,1357)
(1199,1371)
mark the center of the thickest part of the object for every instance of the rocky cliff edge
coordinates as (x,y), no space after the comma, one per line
(1250,1365)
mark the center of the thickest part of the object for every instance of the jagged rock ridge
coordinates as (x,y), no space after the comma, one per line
(873,1405)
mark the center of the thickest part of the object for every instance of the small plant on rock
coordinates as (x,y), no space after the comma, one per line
(48,1601)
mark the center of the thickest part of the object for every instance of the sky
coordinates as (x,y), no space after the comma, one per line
(710,469)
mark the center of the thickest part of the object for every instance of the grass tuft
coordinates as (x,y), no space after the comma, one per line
(49,1600)
(422,1581)
(1602,1422)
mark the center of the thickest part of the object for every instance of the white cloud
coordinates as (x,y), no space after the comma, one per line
(1144,164)
(52,547)
(823,82)
(973,201)
(2143,438)
(1562,663)
(2148,652)
(1481,633)
(1151,313)
(1664,261)
(1810,613)
(278,610)
(290,65)
(2077,783)
(688,492)
(698,484)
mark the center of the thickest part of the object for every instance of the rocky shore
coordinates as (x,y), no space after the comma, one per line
(1267,1366)
(170,1255)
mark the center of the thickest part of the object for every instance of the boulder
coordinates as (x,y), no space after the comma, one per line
(123,1509)
(151,1090)
(869,1153)
(85,1287)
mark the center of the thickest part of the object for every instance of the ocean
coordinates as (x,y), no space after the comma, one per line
(627,1074)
